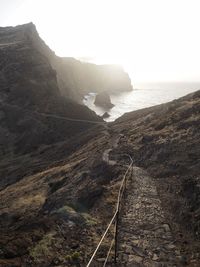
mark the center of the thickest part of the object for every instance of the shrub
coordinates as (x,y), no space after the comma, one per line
(42,248)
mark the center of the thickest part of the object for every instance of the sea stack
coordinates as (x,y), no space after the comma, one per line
(103,100)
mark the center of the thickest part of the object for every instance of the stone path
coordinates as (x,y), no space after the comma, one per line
(114,141)
(145,237)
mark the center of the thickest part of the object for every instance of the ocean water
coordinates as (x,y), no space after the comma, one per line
(144,95)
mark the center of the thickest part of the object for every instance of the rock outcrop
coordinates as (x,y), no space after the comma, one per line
(103,100)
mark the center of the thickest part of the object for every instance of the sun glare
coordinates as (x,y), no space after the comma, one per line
(154,39)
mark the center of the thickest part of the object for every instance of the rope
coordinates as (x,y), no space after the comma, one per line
(122,183)
(116,211)
(108,227)
(108,254)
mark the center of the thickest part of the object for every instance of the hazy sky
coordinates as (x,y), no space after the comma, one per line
(155,40)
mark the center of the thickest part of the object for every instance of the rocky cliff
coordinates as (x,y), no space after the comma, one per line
(76,78)
(86,77)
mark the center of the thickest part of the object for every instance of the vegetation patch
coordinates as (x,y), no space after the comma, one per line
(43,248)
(66,209)
(89,219)
(74,257)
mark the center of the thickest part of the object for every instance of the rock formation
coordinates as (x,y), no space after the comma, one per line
(103,100)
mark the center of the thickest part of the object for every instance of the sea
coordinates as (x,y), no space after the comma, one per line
(143,95)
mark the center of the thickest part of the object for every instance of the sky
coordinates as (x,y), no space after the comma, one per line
(154,40)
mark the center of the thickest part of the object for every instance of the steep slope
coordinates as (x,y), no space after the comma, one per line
(28,91)
(57,215)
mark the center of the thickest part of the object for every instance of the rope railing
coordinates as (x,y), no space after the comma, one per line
(114,218)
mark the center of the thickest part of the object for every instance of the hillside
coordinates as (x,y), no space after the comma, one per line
(30,99)
(164,140)
(57,215)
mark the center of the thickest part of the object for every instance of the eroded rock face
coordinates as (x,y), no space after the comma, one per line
(103,100)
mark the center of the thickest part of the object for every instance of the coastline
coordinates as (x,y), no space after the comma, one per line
(145,95)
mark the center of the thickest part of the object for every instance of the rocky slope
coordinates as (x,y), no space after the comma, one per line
(164,140)
(58,209)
